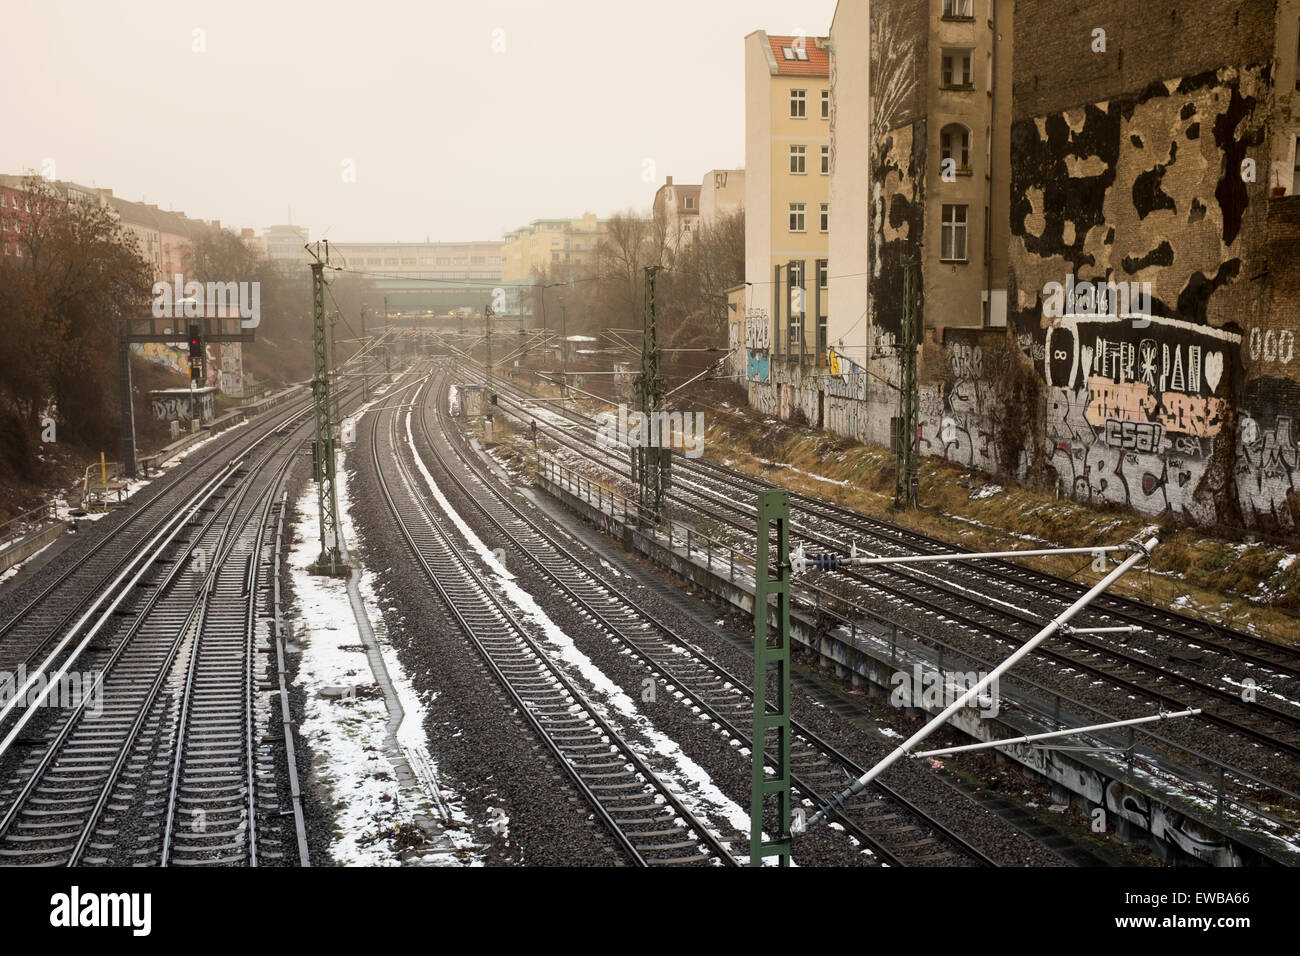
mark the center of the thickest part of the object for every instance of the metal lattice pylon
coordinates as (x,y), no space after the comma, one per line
(771,579)
(651,462)
(331,555)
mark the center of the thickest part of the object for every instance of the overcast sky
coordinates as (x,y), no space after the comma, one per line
(448,139)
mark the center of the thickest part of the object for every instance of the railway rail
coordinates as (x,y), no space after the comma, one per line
(156,758)
(1135,667)
(643,814)
(895,829)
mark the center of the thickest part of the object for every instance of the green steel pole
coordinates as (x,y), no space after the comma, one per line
(330,553)
(771,580)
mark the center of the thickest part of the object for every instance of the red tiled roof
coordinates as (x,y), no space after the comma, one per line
(817,64)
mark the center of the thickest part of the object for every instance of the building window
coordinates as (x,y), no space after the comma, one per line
(826,217)
(954,233)
(958,9)
(796,217)
(956,68)
(391,262)
(823,279)
(796,51)
(798,104)
(690,202)
(797,159)
(954,143)
(826,160)
(826,104)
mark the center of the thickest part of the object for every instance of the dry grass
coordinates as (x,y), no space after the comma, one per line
(1247,584)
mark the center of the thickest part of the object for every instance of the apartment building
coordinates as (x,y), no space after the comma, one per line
(787,206)
(722,191)
(677,206)
(433,262)
(547,243)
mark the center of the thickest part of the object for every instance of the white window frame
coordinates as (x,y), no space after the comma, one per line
(799,98)
(959,9)
(797,214)
(826,104)
(826,160)
(798,160)
(951,227)
(825,217)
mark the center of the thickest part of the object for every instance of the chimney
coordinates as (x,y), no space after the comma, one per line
(670,181)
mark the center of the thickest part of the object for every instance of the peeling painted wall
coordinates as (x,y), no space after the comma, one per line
(1156,415)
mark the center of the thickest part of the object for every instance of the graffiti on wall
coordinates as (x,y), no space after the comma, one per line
(1133,413)
(181,405)
(847,379)
(758,345)
(1267,462)
(955,416)
(1159,416)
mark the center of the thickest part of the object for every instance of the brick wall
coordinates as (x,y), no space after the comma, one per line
(1145,43)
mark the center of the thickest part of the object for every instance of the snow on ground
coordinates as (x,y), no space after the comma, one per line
(692,782)
(808,474)
(345,718)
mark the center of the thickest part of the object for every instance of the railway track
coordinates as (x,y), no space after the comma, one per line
(158,761)
(993,605)
(894,829)
(644,815)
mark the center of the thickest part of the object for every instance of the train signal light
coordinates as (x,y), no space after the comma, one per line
(196,354)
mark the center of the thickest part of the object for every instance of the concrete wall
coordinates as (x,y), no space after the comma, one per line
(849,188)
(722,191)
(758,163)
(1167,185)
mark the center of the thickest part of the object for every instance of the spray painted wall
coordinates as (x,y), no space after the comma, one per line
(1159,413)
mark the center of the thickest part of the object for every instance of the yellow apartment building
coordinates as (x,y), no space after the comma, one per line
(787,206)
(547,243)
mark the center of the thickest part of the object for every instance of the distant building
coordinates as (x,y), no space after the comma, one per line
(678,206)
(544,243)
(787,209)
(286,244)
(722,191)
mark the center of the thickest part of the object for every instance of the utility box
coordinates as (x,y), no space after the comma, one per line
(466,401)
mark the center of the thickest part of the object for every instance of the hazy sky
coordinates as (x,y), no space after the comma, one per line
(448,139)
